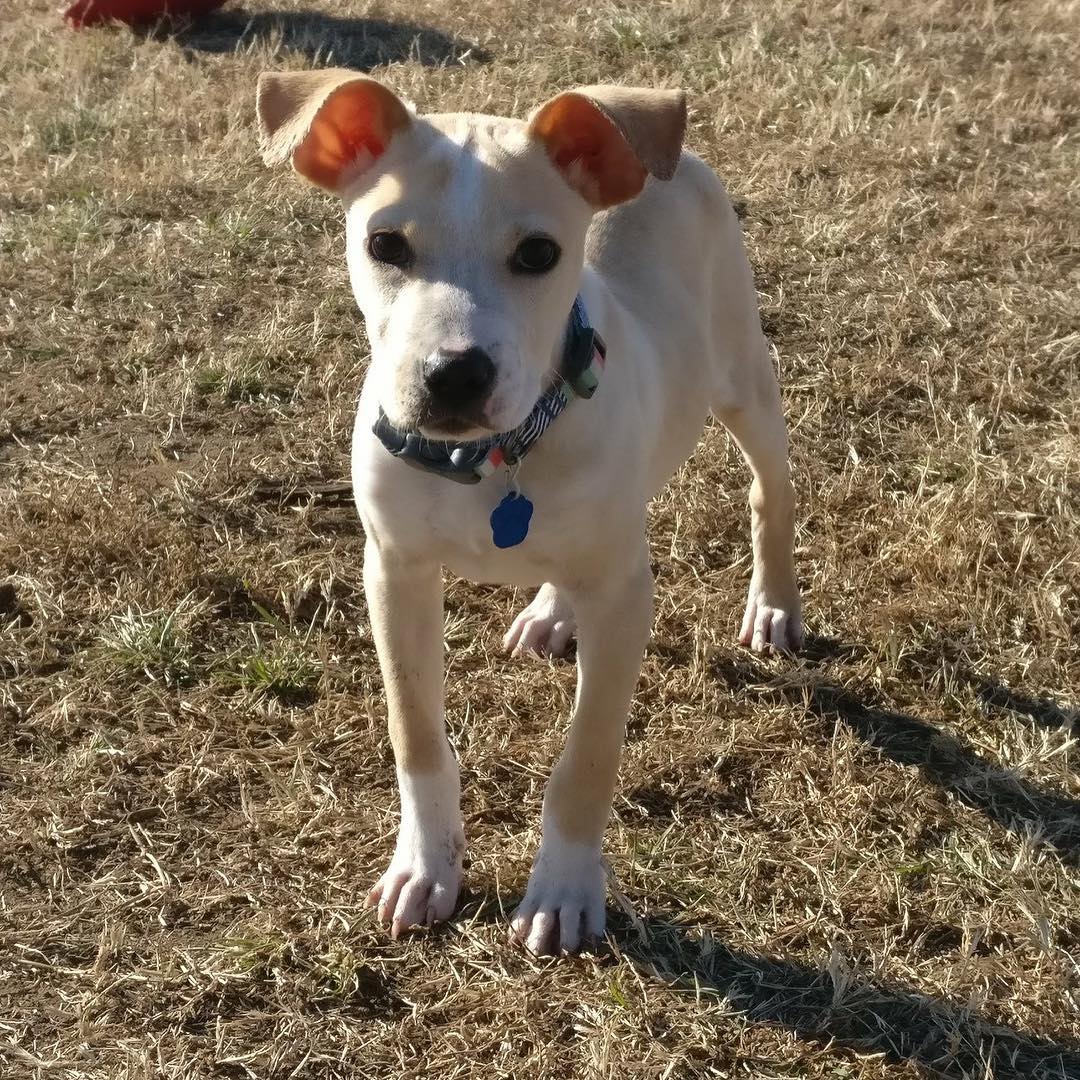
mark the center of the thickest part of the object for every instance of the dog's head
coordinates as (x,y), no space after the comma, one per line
(466,233)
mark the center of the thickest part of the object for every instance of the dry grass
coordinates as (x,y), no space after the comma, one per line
(863,864)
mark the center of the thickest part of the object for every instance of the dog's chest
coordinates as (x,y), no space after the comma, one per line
(432,517)
(475,530)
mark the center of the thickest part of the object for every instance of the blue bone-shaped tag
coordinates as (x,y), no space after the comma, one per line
(510,520)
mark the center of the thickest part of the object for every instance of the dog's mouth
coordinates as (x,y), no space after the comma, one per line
(451,426)
(436,423)
(455,427)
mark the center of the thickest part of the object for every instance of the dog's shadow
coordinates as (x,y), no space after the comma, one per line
(944,759)
(831,1005)
(997,697)
(361,44)
(828,1005)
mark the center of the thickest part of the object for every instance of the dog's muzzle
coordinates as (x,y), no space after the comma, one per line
(458,386)
(470,462)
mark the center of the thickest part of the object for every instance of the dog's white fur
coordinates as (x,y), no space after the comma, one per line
(666,282)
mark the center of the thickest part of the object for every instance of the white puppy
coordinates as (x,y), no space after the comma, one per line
(481,251)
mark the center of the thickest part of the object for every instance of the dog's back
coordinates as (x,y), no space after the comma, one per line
(676,252)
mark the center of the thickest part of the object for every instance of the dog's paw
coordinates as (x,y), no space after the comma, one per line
(544,628)
(771,625)
(420,886)
(564,903)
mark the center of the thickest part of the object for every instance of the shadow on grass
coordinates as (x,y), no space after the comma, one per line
(1015,804)
(835,1006)
(828,1005)
(995,696)
(324,39)
(943,759)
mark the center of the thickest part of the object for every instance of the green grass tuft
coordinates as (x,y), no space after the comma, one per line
(281,670)
(235,383)
(150,643)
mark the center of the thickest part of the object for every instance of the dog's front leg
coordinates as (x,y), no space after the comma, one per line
(566,890)
(405,604)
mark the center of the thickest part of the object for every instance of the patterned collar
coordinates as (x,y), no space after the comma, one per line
(470,462)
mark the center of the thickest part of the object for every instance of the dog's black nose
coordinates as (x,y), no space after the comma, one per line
(459,380)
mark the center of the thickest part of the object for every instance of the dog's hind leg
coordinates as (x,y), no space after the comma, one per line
(544,628)
(773,618)
(405,604)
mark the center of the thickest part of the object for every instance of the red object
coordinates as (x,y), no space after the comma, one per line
(94,12)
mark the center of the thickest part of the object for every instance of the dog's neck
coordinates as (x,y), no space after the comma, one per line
(576,375)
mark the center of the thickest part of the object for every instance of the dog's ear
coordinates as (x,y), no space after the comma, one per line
(606,139)
(331,123)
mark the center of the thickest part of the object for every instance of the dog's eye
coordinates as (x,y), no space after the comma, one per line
(535,255)
(389,247)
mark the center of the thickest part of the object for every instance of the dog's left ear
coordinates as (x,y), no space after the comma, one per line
(606,139)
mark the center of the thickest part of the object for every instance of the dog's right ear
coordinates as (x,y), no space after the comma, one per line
(332,123)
